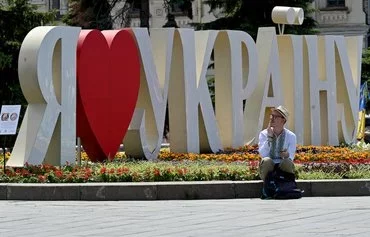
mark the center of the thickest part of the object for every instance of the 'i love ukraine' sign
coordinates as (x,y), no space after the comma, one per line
(114,87)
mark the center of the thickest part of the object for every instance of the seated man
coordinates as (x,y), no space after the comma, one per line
(277,145)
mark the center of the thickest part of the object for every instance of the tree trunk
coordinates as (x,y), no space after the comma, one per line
(144,14)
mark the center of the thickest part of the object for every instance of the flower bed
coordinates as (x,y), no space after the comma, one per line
(232,164)
(305,154)
(131,172)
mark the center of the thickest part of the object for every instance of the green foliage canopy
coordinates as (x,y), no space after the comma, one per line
(248,15)
(366,65)
(17,18)
(89,14)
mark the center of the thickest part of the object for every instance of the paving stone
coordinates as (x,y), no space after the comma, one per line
(311,216)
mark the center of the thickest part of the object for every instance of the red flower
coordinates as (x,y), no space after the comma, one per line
(25,173)
(125,170)
(86,176)
(69,177)
(42,178)
(119,171)
(103,170)
(181,171)
(59,173)
(88,171)
(156,172)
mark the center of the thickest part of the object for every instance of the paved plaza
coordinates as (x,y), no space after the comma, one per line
(316,216)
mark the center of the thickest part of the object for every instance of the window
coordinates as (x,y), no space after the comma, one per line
(135,10)
(183,9)
(54,4)
(336,3)
(176,9)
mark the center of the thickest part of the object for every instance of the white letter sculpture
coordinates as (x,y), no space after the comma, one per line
(47,74)
(144,136)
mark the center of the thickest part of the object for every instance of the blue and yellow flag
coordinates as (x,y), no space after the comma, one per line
(364,96)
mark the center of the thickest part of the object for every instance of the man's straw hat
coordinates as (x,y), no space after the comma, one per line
(283,111)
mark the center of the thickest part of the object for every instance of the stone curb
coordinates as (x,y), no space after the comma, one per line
(173,190)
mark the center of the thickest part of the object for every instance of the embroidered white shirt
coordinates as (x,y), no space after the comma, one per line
(290,144)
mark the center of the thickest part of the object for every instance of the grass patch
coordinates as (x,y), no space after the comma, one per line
(150,171)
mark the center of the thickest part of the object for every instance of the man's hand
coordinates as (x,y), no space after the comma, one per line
(284,154)
(270,131)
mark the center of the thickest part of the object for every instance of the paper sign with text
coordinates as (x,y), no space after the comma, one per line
(9,119)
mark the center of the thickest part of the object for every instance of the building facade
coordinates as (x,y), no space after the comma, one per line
(336,17)
(61,6)
(158,15)
(342,17)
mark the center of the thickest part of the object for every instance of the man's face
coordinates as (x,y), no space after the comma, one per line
(276,119)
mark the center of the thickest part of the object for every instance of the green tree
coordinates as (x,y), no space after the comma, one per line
(97,14)
(89,14)
(17,18)
(365,72)
(248,15)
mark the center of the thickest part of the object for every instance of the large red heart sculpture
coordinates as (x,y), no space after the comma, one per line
(108,81)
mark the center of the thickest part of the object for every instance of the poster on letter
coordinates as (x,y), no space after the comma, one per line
(9,119)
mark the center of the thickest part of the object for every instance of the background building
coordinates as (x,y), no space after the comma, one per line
(343,17)
(158,15)
(61,6)
(337,17)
